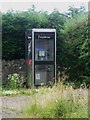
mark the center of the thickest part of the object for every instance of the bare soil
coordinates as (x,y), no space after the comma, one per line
(11,106)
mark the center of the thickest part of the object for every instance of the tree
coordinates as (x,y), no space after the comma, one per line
(16,23)
(76,49)
(73,11)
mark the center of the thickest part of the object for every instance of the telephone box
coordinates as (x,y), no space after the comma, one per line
(41,62)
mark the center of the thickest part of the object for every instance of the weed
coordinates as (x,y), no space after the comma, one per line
(14,82)
(57,102)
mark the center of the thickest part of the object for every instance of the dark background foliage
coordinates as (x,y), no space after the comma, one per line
(72,38)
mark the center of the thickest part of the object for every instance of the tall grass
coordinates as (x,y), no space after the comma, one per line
(58,102)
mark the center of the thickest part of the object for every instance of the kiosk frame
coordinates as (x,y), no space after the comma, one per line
(43,68)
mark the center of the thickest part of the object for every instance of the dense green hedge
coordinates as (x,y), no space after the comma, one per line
(76,49)
(72,38)
(15,25)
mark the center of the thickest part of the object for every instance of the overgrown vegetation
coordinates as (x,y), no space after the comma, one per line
(62,100)
(58,102)
(18,92)
(14,82)
(72,39)
(76,49)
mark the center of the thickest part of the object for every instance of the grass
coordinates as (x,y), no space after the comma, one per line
(18,92)
(58,102)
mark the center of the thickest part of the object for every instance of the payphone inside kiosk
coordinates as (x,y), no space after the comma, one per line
(42,49)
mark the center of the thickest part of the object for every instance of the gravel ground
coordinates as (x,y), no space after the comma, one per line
(11,106)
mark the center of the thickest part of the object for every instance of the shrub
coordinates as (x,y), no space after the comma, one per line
(14,82)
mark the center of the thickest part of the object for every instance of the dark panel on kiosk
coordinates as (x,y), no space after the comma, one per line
(28,36)
(28,44)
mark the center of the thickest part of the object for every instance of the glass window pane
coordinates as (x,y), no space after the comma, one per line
(44,50)
(44,74)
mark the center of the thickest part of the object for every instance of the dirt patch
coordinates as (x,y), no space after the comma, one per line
(11,106)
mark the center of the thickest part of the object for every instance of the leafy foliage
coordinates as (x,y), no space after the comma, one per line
(76,48)
(72,38)
(16,23)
